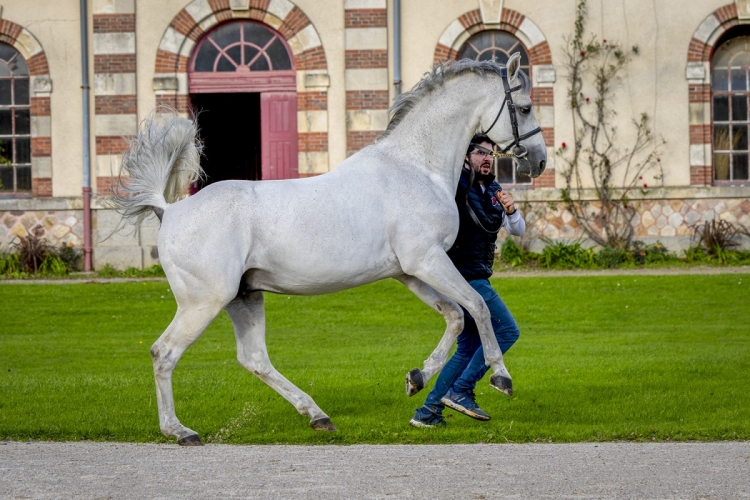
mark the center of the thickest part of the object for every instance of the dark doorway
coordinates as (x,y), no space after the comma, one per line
(230,128)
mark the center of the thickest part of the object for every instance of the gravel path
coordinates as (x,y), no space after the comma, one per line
(719,470)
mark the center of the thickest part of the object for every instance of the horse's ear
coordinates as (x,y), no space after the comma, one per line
(514,64)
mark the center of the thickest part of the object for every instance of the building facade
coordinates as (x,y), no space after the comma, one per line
(288,89)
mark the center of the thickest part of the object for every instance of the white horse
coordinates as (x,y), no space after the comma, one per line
(387,211)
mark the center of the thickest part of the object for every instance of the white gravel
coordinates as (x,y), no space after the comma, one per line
(718,470)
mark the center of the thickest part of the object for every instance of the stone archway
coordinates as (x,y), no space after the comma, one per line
(200,16)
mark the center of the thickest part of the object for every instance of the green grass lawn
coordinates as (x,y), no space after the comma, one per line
(599,358)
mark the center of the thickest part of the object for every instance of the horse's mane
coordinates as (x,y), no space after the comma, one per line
(440,73)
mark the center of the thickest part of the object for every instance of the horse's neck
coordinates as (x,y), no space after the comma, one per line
(434,134)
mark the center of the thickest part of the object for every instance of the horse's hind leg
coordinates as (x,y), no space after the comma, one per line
(454,324)
(187,325)
(249,320)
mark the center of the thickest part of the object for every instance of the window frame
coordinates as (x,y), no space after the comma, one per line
(13,107)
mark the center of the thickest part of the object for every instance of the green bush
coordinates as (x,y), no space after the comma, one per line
(512,254)
(566,255)
(613,257)
(109,271)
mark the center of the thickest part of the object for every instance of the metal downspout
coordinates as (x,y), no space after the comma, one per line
(86,138)
(397,46)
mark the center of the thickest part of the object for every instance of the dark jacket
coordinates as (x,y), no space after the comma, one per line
(474,249)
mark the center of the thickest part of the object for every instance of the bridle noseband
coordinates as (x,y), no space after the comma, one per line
(519,150)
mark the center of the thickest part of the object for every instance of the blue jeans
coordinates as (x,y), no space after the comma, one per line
(466,367)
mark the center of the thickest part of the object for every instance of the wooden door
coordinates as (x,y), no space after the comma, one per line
(278,123)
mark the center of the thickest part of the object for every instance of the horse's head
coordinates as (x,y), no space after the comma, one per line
(511,123)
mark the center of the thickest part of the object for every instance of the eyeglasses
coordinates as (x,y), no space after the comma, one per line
(480,151)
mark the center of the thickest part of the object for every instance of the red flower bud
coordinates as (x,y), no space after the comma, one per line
(583,53)
(587,99)
(645,185)
(605,41)
(640,177)
(658,159)
(564,145)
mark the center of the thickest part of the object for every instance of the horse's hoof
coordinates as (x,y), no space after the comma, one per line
(502,384)
(191,440)
(414,382)
(323,424)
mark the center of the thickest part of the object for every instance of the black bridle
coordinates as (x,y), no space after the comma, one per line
(519,150)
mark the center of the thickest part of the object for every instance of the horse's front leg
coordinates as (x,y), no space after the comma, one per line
(437,271)
(454,324)
(249,319)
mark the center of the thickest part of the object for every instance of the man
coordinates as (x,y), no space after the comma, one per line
(483,209)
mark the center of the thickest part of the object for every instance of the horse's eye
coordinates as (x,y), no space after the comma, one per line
(525,109)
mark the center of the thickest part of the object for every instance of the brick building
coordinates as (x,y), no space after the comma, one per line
(291,88)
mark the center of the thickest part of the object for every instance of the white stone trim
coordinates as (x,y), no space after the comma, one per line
(366,38)
(366,79)
(491,11)
(115,125)
(41,126)
(544,75)
(280,8)
(273,21)
(41,167)
(114,84)
(239,5)
(697,71)
(41,85)
(199,10)
(715,36)
(107,165)
(304,40)
(706,28)
(366,120)
(312,121)
(545,116)
(113,43)
(743,10)
(314,162)
(532,32)
(27,44)
(364,4)
(317,79)
(113,7)
(700,155)
(171,40)
(451,33)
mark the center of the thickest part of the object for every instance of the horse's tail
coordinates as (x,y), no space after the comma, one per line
(158,166)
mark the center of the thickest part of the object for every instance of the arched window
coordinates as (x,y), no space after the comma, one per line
(730,91)
(498,46)
(15,122)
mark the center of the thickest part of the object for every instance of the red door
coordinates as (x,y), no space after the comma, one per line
(278,125)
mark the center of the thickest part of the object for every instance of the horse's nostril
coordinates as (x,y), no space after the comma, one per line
(542,164)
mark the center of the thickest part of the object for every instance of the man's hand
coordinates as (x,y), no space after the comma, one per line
(506,200)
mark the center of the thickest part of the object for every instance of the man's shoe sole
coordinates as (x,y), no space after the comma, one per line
(417,423)
(469,413)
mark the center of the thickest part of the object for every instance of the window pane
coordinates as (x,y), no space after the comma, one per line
(21,96)
(279,55)
(226,35)
(260,64)
(739,108)
(23,122)
(6,125)
(6,179)
(18,66)
(504,170)
(739,167)
(23,150)
(204,60)
(738,79)
(739,137)
(23,178)
(6,151)
(5,95)
(225,65)
(257,34)
(721,137)
(7,52)
(719,80)
(721,108)
(721,167)
(4,70)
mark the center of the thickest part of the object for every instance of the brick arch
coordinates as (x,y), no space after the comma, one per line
(200,16)
(540,59)
(701,48)
(39,94)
